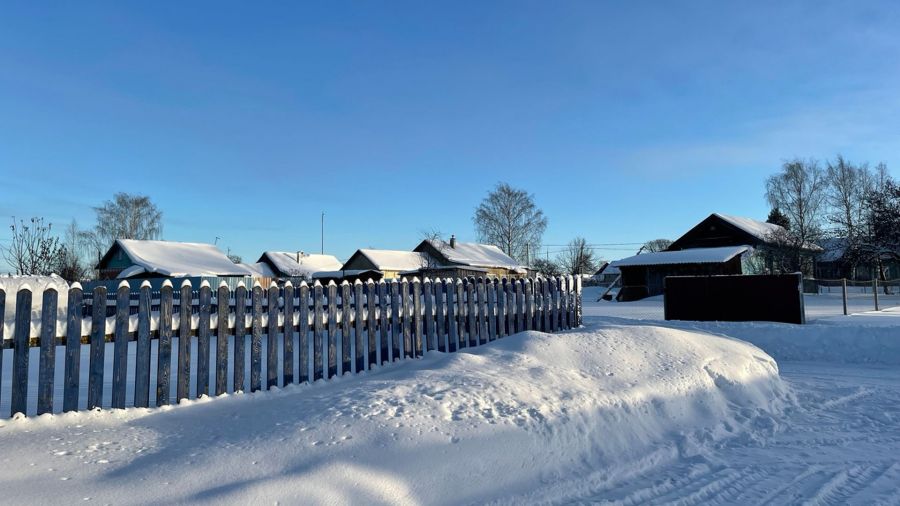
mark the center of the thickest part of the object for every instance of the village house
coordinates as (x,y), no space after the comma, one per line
(715,246)
(464,259)
(389,264)
(297,266)
(157,261)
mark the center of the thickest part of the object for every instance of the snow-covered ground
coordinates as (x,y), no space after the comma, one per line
(624,411)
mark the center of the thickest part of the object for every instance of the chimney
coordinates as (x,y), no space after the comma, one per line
(452,241)
(299,256)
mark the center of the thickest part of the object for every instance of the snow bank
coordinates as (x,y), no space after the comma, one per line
(11,284)
(528,418)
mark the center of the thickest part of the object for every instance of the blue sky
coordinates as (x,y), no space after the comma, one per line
(627,120)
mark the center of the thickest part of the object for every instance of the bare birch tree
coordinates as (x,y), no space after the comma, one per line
(577,258)
(126,216)
(799,191)
(509,219)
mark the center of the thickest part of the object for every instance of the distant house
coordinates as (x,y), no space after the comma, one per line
(286,265)
(644,275)
(606,274)
(715,246)
(463,259)
(389,263)
(159,260)
(839,261)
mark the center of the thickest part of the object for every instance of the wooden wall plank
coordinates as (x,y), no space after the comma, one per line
(98,348)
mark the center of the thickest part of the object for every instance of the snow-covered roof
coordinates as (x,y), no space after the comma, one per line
(760,229)
(833,250)
(177,259)
(475,254)
(294,264)
(608,269)
(685,256)
(259,269)
(394,260)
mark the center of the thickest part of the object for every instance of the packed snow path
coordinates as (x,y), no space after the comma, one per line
(839,445)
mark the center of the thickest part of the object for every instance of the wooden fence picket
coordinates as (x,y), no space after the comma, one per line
(98,347)
(19,397)
(482,312)
(120,346)
(304,342)
(440,310)
(164,346)
(72,374)
(183,373)
(142,350)
(287,338)
(454,289)
(347,345)
(429,340)
(331,355)
(2,326)
(502,305)
(384,348)
(373,351)
(205,300)
(396,333)
(408,348)
(256,338)
(418,344)
(319,341)
(222,296)
(47,361)
(239,347)
(361,348)
(491,316)
(471,314)
(528,304)
(272,337)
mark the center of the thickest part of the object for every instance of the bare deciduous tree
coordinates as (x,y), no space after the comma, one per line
(577,258)
(657,245)
(126,216)
(545,267)
(509,219)
(799,191)
(33,250)
(70,266)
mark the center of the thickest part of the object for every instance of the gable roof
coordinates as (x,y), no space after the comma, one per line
(717,230)
(392,260)
(472,254)
(685,256)
(762,230)
(174,259)
(287,264)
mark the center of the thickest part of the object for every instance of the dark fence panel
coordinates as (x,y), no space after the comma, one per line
(775,298)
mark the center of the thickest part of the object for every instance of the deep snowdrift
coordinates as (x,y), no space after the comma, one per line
(530,417)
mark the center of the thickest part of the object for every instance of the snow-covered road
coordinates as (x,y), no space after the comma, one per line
(840,445)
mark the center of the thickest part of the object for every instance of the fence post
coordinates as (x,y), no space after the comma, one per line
(142,350)
(47,362)
(98,345)
(73,346)
(164,347)
(844,293)
(875,291)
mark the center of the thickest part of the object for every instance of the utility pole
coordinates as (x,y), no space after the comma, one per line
(323,232)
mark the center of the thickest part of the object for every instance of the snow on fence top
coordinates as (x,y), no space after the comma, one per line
(177,259)
(687,256)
